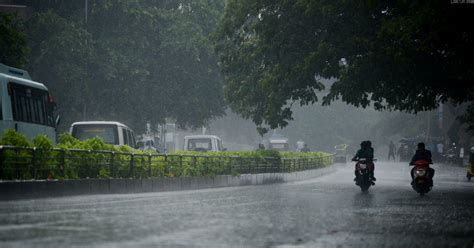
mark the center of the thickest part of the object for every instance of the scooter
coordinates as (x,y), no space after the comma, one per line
(422,182)
(363,178)
(451,156)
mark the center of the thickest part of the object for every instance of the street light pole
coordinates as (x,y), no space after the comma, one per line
(85,10)
(84,107)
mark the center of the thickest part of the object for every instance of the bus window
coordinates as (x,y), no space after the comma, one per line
(30,105)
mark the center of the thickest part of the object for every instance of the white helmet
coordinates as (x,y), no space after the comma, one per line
(472,149)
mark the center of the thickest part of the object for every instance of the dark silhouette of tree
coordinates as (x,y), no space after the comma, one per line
(13,47)
(132,61)
(393,55)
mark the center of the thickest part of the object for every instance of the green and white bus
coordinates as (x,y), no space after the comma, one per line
(25,105)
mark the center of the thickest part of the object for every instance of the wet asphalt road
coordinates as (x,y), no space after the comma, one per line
(329,211)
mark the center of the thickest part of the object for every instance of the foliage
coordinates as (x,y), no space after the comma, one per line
(132,61)
(268,153)
(260,161)
(395,55)
(92,158)
(253,154)
(60,51)
(11,158)
(13,47)
(42,142)
(468,118)
(66,140)
(12,138)
(42,157)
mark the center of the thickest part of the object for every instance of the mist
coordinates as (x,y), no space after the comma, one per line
(323,127)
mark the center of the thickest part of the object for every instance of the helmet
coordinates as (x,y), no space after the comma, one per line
(421,145)
(472,149)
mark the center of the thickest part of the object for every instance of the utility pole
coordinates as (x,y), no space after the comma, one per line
(84,104)
(85,10)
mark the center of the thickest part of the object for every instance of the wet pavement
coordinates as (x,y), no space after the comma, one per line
(329,211)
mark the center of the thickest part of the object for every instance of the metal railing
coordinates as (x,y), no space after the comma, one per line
(26,163)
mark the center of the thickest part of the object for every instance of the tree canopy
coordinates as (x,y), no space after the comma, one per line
(13,48)
(393,55)
(131,61)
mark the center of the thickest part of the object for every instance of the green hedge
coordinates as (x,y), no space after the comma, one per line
(74,159)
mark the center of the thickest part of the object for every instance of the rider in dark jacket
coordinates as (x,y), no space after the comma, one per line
(422,154)
(366,151)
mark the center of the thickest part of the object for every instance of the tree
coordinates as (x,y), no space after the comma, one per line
(58,59)
(394,55)
(13,47)
(133,61)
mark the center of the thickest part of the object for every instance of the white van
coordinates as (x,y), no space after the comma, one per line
(203,143)
(111,132)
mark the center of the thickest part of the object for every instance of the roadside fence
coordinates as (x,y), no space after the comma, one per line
(27,163)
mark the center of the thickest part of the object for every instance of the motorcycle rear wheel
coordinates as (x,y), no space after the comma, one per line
(364,188)
(364,183)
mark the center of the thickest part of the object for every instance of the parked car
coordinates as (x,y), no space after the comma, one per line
(203,143)
(111,132)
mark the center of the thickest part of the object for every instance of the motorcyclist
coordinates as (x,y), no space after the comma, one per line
(371,152)
(366,151)
(422,154)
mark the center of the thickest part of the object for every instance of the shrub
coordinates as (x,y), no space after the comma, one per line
(12,138)
(92,160)
(16,163)
(45,165)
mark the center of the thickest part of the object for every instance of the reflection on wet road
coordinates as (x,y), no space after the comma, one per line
(327,211)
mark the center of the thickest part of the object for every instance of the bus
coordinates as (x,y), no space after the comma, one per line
(25,105)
